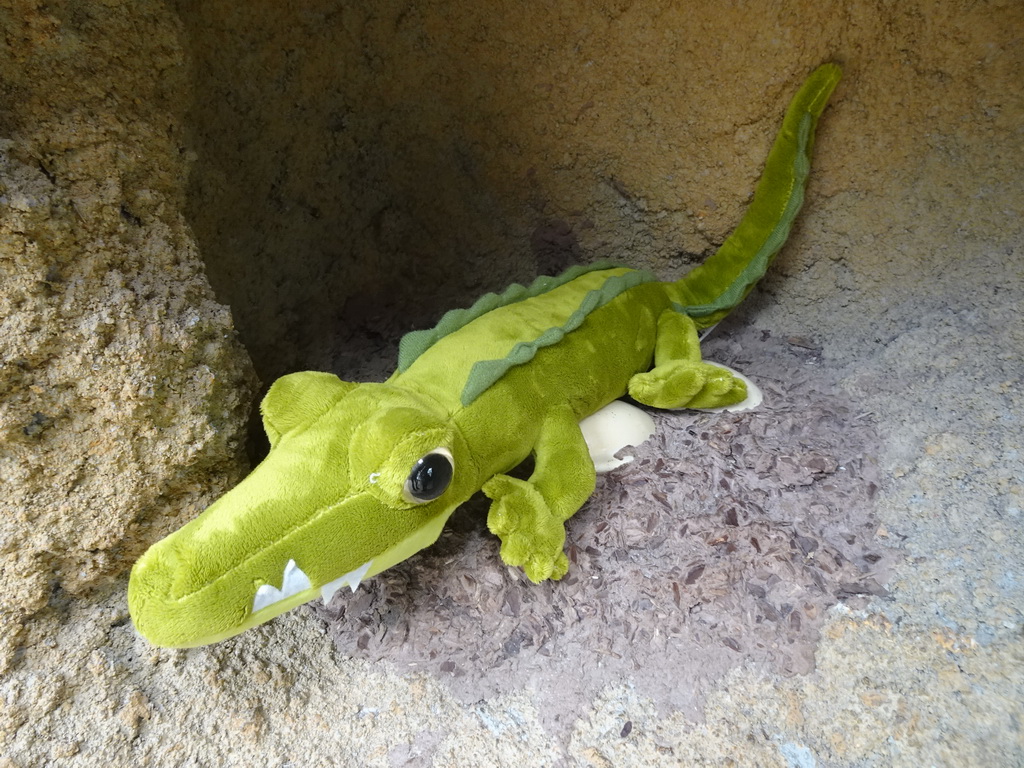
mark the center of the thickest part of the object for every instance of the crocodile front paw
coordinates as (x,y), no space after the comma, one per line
(531,535)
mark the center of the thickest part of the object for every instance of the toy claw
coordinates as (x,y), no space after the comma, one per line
(754,395)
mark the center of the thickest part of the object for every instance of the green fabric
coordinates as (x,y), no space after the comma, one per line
(298,398)
(415,343)
(489,386)
(485,373)
(708,292)
(529,515)
(679,379)
(757,266)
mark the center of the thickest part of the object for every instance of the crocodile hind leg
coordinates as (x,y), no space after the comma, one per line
(680,379)
(529,515)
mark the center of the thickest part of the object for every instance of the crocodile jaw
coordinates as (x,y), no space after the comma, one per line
(352,579)
(293,581)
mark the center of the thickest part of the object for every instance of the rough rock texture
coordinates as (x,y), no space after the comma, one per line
(122,384)
(369,164)
(346,159)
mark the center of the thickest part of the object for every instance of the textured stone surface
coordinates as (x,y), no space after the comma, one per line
(123,387)
(377,163)
(333,145)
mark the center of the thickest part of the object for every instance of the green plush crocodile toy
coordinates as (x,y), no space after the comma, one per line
(361,476)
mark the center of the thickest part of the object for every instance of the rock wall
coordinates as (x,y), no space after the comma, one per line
(123,386)
(377,163)
(373,164)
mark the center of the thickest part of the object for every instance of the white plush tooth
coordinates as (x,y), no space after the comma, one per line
(265,595)
(351,579)
(358,575)
(293,581)
(327,591)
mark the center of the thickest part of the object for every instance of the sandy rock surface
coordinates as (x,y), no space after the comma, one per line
(323,168)
(123,387)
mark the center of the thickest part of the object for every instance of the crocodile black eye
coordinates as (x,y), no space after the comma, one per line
(430,476)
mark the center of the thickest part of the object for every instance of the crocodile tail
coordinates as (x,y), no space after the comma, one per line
(709,292)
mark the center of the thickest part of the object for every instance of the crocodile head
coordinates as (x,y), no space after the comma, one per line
(358,478)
